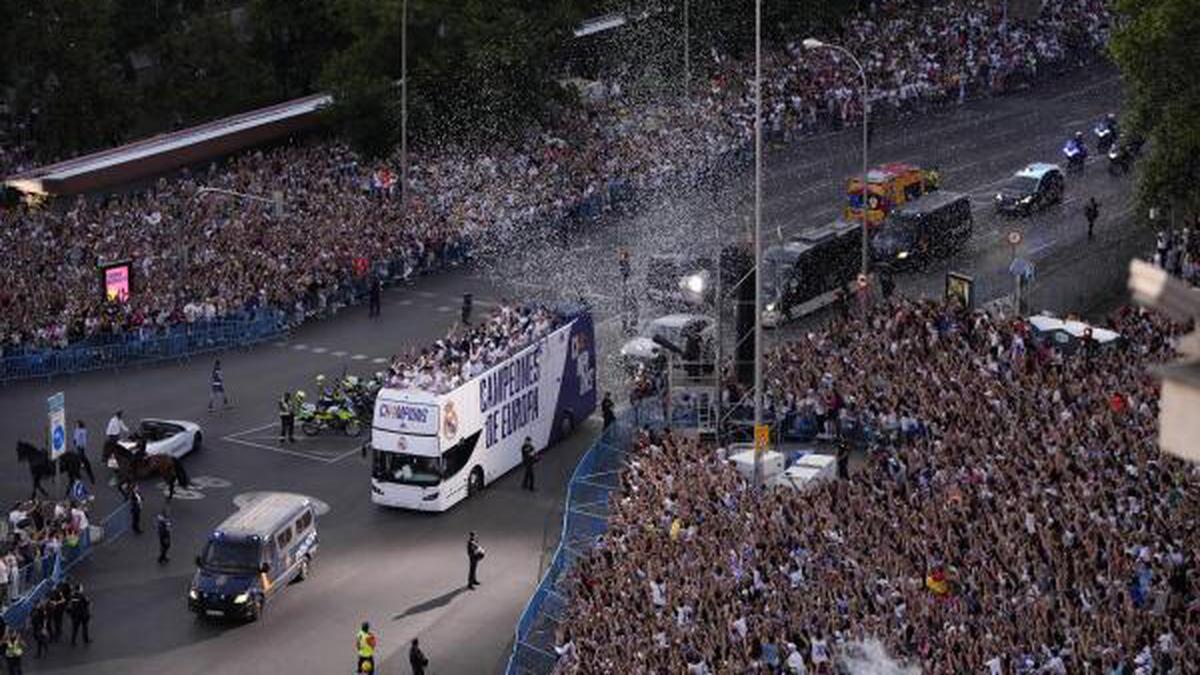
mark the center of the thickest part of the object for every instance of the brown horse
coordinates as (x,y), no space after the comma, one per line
(136,464)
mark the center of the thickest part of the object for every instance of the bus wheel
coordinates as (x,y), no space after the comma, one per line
(475,482)
(566,424)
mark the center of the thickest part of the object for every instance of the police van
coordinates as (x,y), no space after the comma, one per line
(252,555)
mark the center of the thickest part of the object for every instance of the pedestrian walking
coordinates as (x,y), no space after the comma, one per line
(1092,213)
(14,651)
(364,645)
(81,439)
(287,418)
(116,427)
(217,387)
(607,409)
(416,658)
(39,625)
(134,497)
(466,309)
(475,553)
(79,608)
(163,525)
(374,296)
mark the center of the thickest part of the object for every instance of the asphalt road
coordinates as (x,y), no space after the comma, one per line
(405,572)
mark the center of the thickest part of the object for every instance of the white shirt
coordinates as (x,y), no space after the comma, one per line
(116,427)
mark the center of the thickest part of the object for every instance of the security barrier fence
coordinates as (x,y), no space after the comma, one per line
(37,579)
(143,347)
(585,519)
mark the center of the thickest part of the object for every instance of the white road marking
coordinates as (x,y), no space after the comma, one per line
(358,357)
(319,350)
(445,308)
(339,353)
(300,347)
(405,302)
(379,360)
(233,438)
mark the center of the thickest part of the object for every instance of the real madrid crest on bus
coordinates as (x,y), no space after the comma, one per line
(449,421)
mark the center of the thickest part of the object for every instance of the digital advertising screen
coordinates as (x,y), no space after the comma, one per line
(117,280)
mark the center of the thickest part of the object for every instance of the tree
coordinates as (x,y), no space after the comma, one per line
(478,69)
(1155,46)
(62,68)
(294,39)
(206,73)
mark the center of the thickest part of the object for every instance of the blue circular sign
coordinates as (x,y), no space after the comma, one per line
(60,437)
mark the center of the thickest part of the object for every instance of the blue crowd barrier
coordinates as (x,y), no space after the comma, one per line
(585,519)
(177,342)
(50,572)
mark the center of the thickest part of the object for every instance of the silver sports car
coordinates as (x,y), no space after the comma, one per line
(167,437)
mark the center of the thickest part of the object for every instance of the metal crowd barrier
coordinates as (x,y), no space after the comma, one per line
(585,519)
(50,572)
(177,342)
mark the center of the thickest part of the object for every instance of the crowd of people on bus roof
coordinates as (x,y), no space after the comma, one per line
(201,258)
(470,349)
(1030,525)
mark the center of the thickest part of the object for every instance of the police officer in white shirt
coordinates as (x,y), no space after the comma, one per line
(116,427)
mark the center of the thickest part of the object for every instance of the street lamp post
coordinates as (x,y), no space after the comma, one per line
(404,106)
(687,56)
(813,43)
(758,162)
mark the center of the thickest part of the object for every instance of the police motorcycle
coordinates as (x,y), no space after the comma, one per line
(333,411)
(1106,133)
(1123,154)
(361,392)
(1076,152)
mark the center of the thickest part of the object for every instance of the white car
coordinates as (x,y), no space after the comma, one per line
(167,437)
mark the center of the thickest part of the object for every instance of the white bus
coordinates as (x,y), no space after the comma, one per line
(430,451)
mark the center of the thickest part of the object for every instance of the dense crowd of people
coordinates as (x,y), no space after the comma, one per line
(197,258)
(37,531)
(1028,524)
(471,349)
(1178,252)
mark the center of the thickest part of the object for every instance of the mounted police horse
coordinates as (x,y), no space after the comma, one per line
(137,464)
(42,467)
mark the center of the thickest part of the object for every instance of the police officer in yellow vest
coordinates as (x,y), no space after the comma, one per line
(14,649)
(365,644)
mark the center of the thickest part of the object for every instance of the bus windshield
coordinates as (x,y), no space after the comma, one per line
(398,467)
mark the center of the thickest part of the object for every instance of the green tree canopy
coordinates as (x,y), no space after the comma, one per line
(1155,47)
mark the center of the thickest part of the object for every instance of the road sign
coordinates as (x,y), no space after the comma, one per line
(762,438)
(79,491)
(57,414)
(1014,238)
